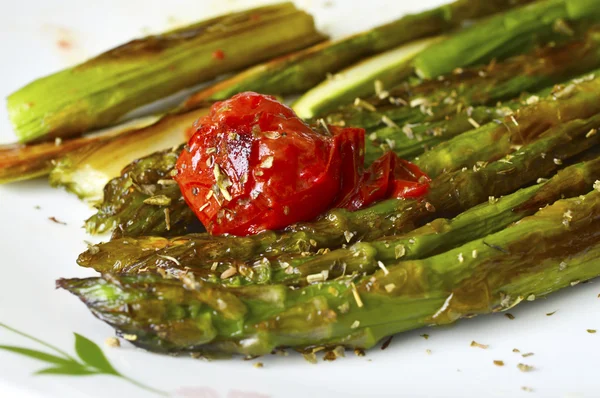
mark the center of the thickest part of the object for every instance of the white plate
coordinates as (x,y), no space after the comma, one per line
(35,251)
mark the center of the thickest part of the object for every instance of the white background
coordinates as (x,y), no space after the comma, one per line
(34,252)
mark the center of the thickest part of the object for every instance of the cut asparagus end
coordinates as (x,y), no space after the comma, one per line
(100,91)
(86,171)
(22,162)
(390,68)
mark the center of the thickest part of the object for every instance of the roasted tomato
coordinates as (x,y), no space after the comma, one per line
(253,165)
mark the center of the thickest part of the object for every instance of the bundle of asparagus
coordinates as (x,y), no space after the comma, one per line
(357,295)
(511,211)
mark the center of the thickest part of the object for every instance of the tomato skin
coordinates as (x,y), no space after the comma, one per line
(409,181)
(388,177)
(372,186)
(273,163)
(253,165)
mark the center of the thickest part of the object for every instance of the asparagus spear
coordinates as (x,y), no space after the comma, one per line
(533,258)
(504,33)
(535,26)
(153,187)
(298,72)
(503,81)
(424,136)
(450,195)
(442,234)
(478,86)
(100,91)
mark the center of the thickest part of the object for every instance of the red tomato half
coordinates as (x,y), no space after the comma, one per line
(253,165)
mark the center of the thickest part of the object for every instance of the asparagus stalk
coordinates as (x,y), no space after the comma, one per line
(419,138)
(533,258)
(504,33)
(503,81)
(87,171)
(442,234)
(424,136)
(538,26)
(298,72)
(450,195)
(100,91)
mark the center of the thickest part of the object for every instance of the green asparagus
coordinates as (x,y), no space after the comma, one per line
(155,217)
(550,250)
(434,100)
(289,74)
(100,91)
(442,234)
(512,211)
(390,68)
(492,141)
(465,93)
